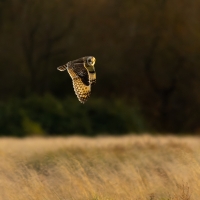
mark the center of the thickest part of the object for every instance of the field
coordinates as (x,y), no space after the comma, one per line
(103,168)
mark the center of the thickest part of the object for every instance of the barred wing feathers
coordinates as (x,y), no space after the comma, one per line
(62,68)
(80,81)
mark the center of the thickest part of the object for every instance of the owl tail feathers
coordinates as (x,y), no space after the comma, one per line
(62,68)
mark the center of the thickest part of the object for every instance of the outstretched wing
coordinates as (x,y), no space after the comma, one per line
(80,80)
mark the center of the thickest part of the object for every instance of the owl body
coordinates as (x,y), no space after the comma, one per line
(83,75)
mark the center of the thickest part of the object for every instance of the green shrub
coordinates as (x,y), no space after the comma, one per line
(32,128)
(47,115)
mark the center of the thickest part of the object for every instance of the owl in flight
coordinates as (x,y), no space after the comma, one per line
(83,75)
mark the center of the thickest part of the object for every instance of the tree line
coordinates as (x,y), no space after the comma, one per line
(147,55)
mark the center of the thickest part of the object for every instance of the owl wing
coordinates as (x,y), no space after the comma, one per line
(80,80)
(92,77)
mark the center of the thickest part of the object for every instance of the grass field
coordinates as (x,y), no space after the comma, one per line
(103,168)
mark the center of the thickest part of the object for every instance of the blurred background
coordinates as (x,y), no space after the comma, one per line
(148,66)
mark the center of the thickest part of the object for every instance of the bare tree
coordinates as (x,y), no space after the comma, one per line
(41,39)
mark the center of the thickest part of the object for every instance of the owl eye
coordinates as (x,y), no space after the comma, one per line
(90,61)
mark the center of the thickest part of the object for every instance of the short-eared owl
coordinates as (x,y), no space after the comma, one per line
(83,75)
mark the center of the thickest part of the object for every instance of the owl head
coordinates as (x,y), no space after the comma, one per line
(90,60)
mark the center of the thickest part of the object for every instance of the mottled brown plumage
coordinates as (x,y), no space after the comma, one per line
(83,75)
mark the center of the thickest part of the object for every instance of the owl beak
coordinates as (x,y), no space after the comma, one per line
(93,60)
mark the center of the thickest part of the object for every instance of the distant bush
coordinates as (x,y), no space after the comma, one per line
(50,116)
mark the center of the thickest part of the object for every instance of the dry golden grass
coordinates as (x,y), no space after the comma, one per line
(103,168)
